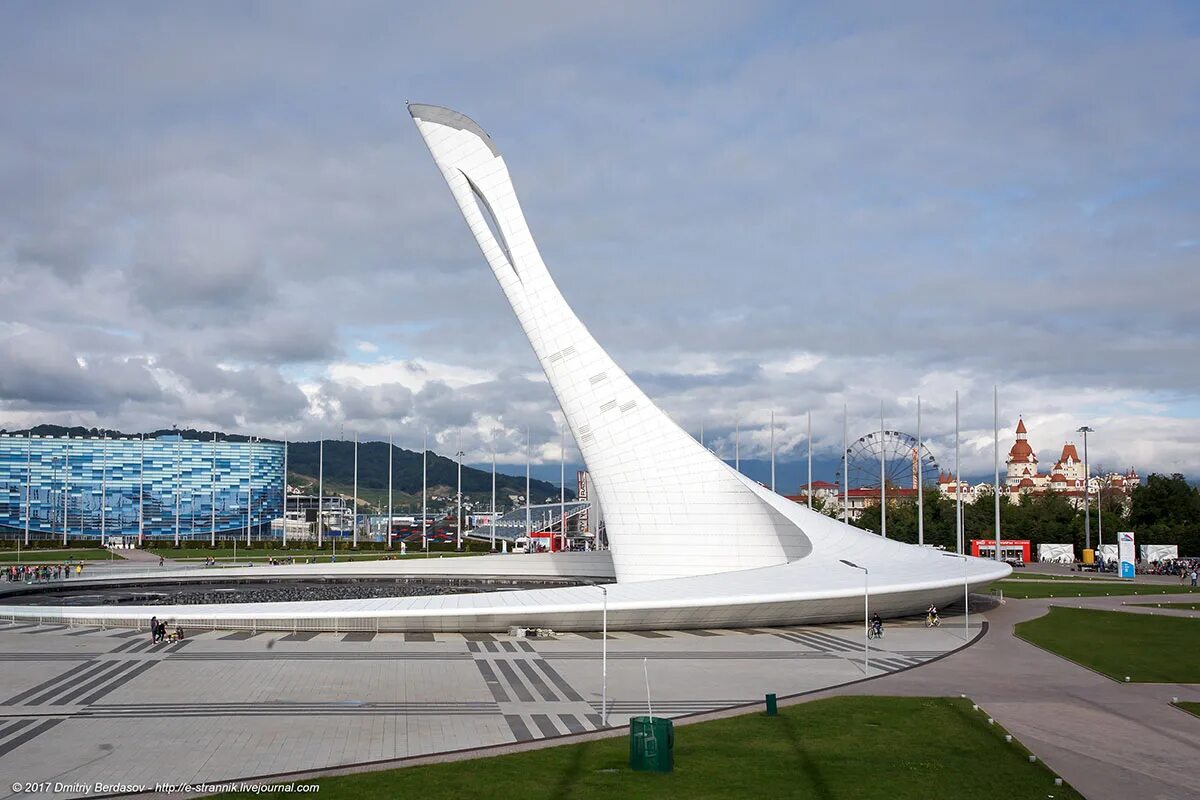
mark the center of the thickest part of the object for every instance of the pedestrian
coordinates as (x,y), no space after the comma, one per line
(154,629)
(1193,578)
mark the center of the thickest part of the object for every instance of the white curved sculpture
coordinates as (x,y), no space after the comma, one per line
(671,507)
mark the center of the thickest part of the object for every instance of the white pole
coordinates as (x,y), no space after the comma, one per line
(646,672)
(1087,505)
(390,484)
(996,460)
(141,489)
(920,481)
(562,481)
(212,488)
(104,487)
(866,622)
(321,493)
(249,492)
(425,491)
(28,480)
(285,470)
(966,604)
(845,465)
(528,513)
(177,488)
(958,527)
(882,478)
(604,662)
(866,616)
(810,486)
(66,488)
(354,512)
(772,451)
(492,517)
(458,522)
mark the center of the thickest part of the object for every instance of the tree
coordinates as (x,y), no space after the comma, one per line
(1166,510)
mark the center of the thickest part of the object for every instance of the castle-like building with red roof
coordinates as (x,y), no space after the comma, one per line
(1067,476)
(1025,478)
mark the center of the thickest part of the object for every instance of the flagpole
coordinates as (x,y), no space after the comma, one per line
(845,464)
(424,491)
(390,484)
(920,481)
(810,486)
(882,478)
(354,511)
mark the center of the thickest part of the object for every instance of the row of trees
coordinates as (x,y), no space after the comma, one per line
(1165,510)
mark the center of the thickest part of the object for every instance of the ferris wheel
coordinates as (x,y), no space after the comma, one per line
(904,463)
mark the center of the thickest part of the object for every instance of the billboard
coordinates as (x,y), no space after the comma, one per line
(1126,552)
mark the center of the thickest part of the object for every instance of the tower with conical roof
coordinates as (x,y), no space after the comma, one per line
(1022,461)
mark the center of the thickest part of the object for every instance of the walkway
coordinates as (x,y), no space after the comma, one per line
(1111,741)
(223,705)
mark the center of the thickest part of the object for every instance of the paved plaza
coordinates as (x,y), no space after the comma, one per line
(86,705)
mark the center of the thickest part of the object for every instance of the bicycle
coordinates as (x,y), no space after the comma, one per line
(875,632)
(932,622)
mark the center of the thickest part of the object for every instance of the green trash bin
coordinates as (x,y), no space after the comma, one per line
(651,744)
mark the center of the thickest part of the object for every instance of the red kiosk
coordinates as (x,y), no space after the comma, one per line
(1010,549)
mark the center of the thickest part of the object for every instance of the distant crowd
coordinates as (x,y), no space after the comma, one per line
(1185,568)
(41,573)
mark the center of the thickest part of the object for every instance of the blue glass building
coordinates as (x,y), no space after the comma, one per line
(164,487)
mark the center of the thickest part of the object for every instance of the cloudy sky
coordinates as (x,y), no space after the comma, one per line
(221,215)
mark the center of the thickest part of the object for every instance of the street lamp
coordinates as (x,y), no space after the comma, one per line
(866,616)
(603,658)
(1087,519)
(966,597)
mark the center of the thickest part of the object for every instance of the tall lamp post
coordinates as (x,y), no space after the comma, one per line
(603,658)
(866,616)
(966,599)
(1087,519)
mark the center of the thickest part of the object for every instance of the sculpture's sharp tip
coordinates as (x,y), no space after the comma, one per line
(440,115)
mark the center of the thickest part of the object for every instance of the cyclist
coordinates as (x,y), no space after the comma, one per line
(931,617)
(876,627)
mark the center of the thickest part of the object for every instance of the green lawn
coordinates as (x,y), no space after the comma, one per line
(1025,589)
(1149,649)
(1181,606)
(865,748)
(1074,576)
(54,556)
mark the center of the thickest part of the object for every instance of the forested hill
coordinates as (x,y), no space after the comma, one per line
(406,468)
(339,463)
